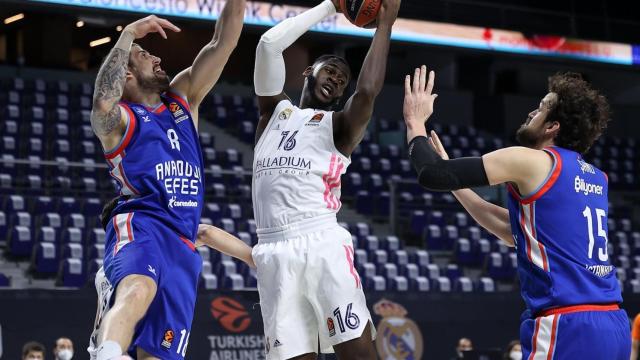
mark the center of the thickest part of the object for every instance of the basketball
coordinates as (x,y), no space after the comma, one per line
(362,13)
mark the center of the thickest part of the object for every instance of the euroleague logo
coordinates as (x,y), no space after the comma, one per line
(230,314)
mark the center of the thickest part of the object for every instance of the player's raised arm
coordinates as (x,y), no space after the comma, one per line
(492,217)
(107,119)
(196,81)
(269,72)
(224,242)
(527,168)
(352,121)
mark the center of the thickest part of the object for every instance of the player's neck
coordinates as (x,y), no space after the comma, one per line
(306,102)
(149,99)
(546,143)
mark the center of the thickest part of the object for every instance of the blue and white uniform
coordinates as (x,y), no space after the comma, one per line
(159,166)
(567,281)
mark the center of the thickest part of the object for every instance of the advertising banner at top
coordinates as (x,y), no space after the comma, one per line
(414,31)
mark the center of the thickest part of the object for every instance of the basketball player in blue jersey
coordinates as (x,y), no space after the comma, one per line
(557,215)
(309,289)
(147,125)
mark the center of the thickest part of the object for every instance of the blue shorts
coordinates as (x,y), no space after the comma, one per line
(139,244)
(584,335)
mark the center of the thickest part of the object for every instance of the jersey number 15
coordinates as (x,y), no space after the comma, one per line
(600,214)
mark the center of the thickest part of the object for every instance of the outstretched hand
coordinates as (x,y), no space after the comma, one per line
(150,24)
(418,101)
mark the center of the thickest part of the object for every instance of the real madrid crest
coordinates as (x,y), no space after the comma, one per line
(398,336)
(284,114)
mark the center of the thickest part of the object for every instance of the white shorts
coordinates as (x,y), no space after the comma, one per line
(309,288)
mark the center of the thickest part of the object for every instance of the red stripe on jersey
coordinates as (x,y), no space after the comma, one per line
(532,223)
(190,244)
(524,232)
(129,231)
(550,181)
(115,227)
(126,181)
(126,138)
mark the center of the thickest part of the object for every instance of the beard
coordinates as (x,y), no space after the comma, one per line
(156,84)
(315,101)
(527,137)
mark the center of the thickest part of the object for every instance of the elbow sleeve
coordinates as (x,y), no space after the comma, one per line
(434,173)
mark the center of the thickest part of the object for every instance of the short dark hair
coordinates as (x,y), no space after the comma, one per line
(337,58)
(32,346)
(583,113)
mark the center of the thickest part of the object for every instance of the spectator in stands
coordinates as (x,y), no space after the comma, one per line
(63,349)
(464,344)
(33,350)
(635,338)
(513,351)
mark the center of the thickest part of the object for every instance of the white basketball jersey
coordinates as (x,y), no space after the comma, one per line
(296,167)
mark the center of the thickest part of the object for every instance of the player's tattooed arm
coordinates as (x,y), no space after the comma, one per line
(105,115)
(107,120)
(351,123)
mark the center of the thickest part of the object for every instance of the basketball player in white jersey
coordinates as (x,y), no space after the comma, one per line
(309,288)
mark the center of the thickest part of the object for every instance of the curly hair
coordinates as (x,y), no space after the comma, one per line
(583,113)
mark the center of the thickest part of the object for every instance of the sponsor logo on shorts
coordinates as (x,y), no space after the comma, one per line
(230,314)
(167,339)
(277,343)
(398,336)
(331,327)
(175,203)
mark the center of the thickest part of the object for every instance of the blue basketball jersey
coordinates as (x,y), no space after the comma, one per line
(159,165)
(560,232)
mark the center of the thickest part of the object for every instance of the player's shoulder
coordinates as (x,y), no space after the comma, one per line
(284,109)
(522,154)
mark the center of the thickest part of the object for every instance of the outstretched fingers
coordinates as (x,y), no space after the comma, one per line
(416,80)
(432,79)
(168,25)
(423,77)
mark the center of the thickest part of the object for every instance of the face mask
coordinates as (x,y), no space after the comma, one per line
(515,355)
(65,354)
